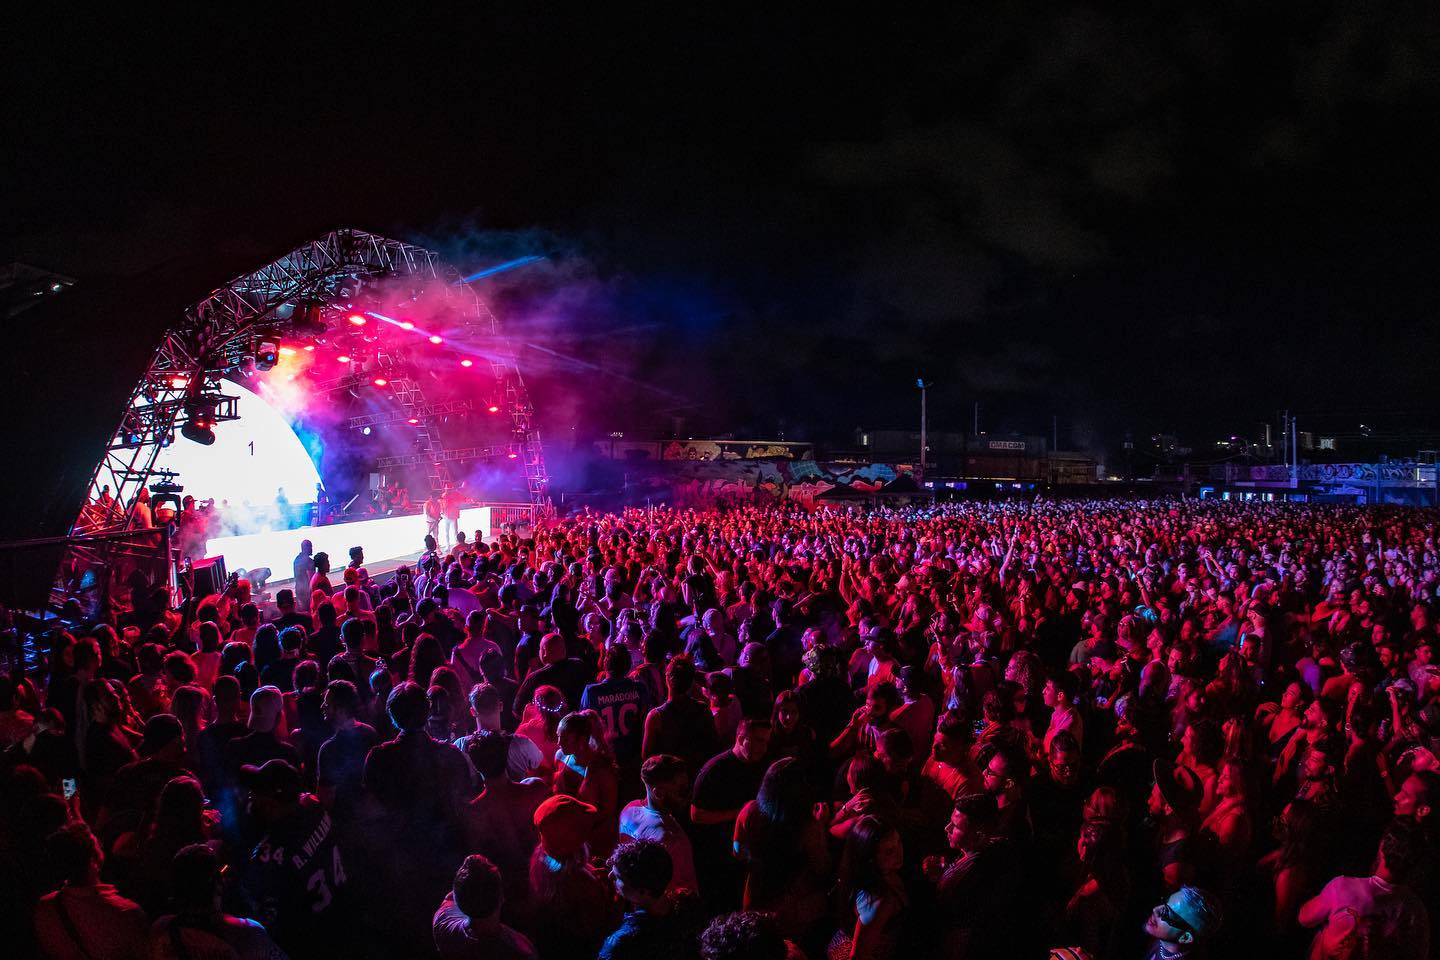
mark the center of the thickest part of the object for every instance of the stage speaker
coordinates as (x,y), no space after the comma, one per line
(210,576)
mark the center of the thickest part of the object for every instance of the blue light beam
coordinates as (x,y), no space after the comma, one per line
(501,268)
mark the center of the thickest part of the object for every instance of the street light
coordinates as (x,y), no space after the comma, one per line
(920,382)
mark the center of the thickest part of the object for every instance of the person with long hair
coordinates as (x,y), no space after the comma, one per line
(1296,867)
(141,858)
(1092,913)
(425,656)
(585,770)
(1279,722)
(871,892)
(784,849)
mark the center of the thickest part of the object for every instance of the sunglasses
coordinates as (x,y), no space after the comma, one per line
(1173,919)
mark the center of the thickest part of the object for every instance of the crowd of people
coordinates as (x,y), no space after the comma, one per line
(1070,728)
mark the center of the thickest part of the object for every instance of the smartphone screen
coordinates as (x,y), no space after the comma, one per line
(68,786)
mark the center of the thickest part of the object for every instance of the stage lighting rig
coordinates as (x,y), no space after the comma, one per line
(267,355)
(307,320)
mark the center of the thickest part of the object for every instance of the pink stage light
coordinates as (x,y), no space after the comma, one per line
(379,381)
(406,325)
(287,351)
(513,455)
(179,383)
(412,421)
(436,339)
(493,408)
(309,348)
(467,363)
(356,319)
(342,359)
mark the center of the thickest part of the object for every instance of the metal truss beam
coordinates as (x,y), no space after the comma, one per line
(416,411)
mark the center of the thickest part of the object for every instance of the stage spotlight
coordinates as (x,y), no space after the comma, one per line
(179,383)
(166,439)
(467,363)
(357,319)
(198,431)
(367,431)
(309,348)
(290,351)
(493,408)
(436,339)
(199,421)
(266,356)
(512,455)
(412,421)
(379,381)
(342,359)
(406,325)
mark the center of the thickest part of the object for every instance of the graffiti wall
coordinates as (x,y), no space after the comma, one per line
(804,482)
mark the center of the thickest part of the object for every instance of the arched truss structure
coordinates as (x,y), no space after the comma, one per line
(221,333)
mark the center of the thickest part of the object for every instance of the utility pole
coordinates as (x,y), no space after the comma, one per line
(920,382)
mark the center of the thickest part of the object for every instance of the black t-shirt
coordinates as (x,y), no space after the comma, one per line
(324,643)
(341,764)
(686,729)
(296,877)
(727,782)
(570,675)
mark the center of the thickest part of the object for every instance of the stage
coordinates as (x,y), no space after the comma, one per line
(388,542)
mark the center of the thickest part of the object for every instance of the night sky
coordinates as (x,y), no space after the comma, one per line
(1155,221)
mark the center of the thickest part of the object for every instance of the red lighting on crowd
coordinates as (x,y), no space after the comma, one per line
(356,319)
(434,338)
(467,363)
(379,381)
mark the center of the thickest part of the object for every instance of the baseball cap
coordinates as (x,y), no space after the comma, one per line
(564,824)
(273,778)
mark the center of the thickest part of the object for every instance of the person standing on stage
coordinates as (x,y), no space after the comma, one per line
(449,514)
(432,517)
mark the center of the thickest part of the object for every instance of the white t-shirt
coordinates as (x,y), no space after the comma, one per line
(639,822)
